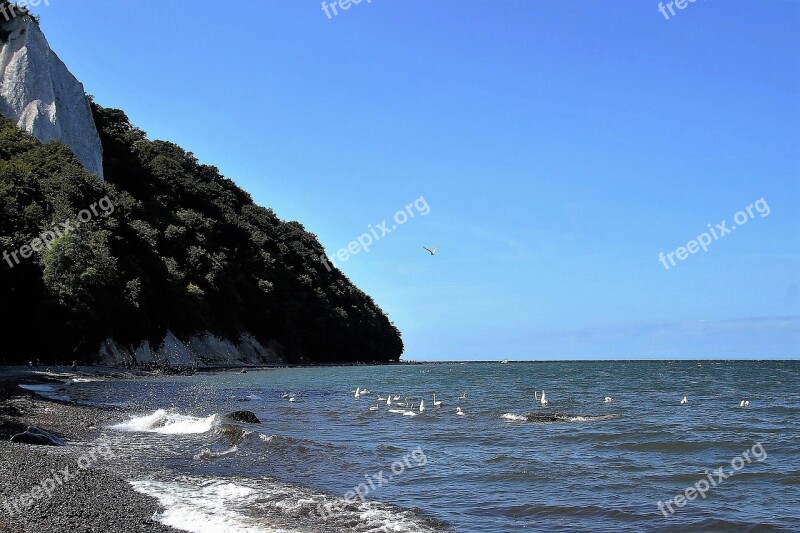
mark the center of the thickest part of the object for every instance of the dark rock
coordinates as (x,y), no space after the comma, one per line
(246,417)
(34,435)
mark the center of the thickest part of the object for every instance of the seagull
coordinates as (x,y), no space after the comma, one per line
(285,395)
(436,403)
(421,406)
(459,412)
(685,400)
(543,399)
(432,252)
(358,393)
(744,403)
(463,396)
(291,399)
(373,408)
(607,399)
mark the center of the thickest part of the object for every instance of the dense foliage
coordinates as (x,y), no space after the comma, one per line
(184,250)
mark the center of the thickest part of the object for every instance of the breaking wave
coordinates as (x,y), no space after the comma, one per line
(217,505)
(168,423)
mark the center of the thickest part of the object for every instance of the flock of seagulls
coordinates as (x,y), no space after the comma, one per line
(406,406)
(409,408)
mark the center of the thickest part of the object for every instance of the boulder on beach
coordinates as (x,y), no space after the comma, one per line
(34,435)
(246,417)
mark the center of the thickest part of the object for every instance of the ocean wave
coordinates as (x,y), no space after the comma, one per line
(554,417)
(207,508)
(168,423)
(215,505)
(73,381)
(207,453)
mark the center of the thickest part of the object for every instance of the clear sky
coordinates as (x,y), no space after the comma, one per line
(560,146)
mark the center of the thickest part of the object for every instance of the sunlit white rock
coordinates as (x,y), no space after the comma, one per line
(41,94)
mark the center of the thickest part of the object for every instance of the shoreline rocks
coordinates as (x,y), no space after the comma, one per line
(245,417)
(37,436)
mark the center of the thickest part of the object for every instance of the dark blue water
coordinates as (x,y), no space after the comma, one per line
(600,466)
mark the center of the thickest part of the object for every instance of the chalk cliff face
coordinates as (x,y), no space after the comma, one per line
(41,94)
(203,349)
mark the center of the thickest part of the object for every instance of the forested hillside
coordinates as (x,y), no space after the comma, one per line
(170,245)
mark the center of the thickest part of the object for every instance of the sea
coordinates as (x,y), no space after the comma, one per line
(615,448)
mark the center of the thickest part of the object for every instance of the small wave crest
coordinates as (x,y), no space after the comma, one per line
(168,423)
(206,453)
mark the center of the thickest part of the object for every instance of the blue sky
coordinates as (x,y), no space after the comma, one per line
(561,146)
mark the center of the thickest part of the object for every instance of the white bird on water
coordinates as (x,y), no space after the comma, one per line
(436,403)
(744,403)
(607,399)
(389,401)
(410,411)
(543,399)
(374,408)
(358,393)
(432,252)
(459,412)
(421,406)
(685,400)
(291,399)
(463,396)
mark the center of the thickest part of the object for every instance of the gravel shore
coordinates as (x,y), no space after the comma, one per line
(89,492)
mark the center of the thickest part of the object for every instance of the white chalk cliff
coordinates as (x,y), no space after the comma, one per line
(41,94)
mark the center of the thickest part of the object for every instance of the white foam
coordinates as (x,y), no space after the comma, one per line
(515,418)
(206,453)
(265,506)
(207,508)
(72,381)
(167,423)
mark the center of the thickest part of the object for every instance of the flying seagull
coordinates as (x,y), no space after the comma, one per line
(432,252)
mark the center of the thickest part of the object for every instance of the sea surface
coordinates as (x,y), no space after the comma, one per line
(507,464)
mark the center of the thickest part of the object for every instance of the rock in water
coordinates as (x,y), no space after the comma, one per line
(34,435)
(41,94)
(246,417)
